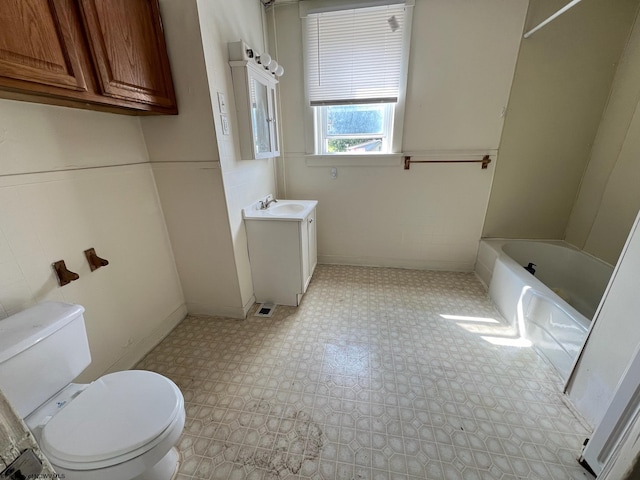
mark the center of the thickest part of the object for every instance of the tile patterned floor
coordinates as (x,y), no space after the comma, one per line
(379,374)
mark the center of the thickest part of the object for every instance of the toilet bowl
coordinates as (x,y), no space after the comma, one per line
(123,426)
(116,427)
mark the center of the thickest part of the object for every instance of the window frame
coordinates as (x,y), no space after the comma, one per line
(322,137)
(314,141)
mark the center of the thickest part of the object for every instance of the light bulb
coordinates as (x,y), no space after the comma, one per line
(273,66)
(264,59)
(279,71)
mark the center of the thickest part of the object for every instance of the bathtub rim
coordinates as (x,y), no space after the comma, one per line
(543,290)
(495,245)
(563,243)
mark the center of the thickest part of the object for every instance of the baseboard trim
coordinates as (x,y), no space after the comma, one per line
(137,352)
(248,305)
(216,311)
(450,266)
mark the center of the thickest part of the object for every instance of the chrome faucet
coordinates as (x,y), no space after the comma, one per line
(264,204)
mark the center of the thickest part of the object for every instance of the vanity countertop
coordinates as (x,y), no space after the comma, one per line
(286,210)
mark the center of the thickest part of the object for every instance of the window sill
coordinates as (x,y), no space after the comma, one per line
(380,160)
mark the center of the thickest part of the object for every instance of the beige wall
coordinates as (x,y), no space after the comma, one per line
(73,179)
(203,182)
(462,60)
(84,195)
(245,181)
(561,85)
(194,208)
(609,196)
(189,136)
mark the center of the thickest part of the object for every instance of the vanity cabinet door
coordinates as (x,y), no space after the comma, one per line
(283,256)
(313,243)
(128,50)
(37,46)
(309,248)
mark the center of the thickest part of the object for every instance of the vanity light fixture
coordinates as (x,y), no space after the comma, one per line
(240,51)
(265,60)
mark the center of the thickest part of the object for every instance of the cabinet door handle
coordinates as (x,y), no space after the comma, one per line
(311,220)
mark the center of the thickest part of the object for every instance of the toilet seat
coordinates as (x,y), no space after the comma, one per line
(118,417)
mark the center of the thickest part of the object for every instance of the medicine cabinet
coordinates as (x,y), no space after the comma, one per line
(254,87)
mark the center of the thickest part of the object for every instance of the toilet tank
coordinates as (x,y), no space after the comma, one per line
(42,349)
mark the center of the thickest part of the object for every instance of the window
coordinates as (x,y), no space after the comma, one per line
(355,71)
(354,128)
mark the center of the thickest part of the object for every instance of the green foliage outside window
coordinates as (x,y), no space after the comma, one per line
(338,145)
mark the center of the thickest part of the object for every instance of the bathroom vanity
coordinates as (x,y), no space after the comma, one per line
(282,249)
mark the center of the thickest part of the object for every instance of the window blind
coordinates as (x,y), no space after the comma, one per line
(354,56)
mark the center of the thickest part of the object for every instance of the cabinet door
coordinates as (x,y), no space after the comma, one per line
(128,50)
(304,254)
(36,45)
(313,242)
(260,105)
(273,124)
(308,248)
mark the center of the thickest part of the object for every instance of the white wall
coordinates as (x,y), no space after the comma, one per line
(86,196)
(181,148)
(561,85)
(203,182)
(245,181)
(194,208)
(189,136)
(462,60)
(609,197)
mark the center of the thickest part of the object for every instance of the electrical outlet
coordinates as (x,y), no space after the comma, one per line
(224,121)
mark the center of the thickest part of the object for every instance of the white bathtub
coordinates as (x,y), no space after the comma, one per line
(553,308)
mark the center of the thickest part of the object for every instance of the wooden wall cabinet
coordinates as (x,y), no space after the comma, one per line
(97,54)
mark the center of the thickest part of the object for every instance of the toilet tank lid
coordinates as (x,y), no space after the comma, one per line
(28,327)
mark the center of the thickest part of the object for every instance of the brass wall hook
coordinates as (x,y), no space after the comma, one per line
(64,275)
(94,260)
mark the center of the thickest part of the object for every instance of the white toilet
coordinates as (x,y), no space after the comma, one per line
(123,426)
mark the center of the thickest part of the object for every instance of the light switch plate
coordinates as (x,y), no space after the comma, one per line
(222,102)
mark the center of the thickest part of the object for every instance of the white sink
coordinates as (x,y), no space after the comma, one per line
(285,209)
